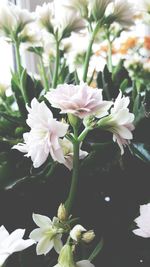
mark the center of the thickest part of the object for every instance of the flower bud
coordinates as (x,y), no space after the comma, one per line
(62,213)
(74,120)
(3,88)
(88,236)
(76,232)
(66,257)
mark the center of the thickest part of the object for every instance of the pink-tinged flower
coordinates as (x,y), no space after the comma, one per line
(43,138)
(67,148)
(11,243)
(143,222)
(120,122)
(80,100)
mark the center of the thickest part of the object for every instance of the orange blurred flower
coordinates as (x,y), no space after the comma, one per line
(128,44)
(147,42)
(104,48)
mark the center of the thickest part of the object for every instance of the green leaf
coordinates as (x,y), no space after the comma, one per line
(138,109)
(15,85)
(12,118)
(141,151)
(28,85)
(97,250)
(124,85)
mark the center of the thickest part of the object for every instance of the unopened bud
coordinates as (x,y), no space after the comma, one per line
(76,232)
(62,213)
(88,236)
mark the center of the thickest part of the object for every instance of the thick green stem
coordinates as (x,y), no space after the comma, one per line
(75,176)
(44,76)
(89,52)
(57,60)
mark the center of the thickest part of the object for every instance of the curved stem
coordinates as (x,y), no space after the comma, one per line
(55,78)
(84,134)
(45,80)
(75,175)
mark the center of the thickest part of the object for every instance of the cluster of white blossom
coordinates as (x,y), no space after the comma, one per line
(45,136)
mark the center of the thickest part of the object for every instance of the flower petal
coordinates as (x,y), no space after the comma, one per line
(44,246)
(41,220)
(58,243)
(84,263)
(36,234)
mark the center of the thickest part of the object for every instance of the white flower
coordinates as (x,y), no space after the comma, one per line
(31,36)
(84,263)
(81,6)
(97,8)
(7,20)
(76,232)
(80,100)
(43,138)
(10,243)
(143,221)
(13,19)
(67,148)
(56,18)
(48,235)
(121,12)
(75,51)
(120,122)
(45,15)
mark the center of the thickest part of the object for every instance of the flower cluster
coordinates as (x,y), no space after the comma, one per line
(81,101)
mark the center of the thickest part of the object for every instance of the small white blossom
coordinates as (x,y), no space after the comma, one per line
(120,122)
(11,243)
(45,15)
(47,236)
(57,19)
(13,19)
(121,12)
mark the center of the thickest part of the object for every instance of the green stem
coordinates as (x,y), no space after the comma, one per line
(18,58)
(83,134)
(20,71)
(52,169)
(45,80)
(55,77)
(109,60)
(89,52)
(75,176)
